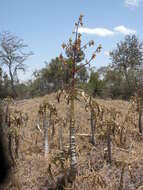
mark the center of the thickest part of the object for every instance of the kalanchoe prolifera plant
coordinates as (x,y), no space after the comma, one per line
(48,114)
(95,110)
(74,51)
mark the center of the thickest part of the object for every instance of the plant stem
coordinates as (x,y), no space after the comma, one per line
(109,145)
(92,128)
(140,118)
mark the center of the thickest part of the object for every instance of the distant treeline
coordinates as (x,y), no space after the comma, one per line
(119,80)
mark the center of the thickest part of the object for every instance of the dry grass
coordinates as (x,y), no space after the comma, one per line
(93,170)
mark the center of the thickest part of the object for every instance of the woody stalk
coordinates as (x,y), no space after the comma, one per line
(75,52)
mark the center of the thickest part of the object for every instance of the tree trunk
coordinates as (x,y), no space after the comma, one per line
(126,76)
(12,82)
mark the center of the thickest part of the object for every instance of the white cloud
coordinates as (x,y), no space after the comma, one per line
(103,32)
(132,3)
(97,31)
(124,30)
(106,53)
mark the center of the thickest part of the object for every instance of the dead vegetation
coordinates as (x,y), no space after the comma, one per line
(95,169)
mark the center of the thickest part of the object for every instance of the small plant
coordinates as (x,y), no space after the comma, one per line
(62,124)
(48,114)
(107,127)
(128,119)
(13,120)
(140,100)
(140,107)
(16,121)
(94,108)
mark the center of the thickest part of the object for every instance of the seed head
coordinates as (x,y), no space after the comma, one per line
(98,50)
(63,45)
(91,43)
(93,55)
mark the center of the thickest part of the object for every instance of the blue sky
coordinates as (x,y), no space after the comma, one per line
(44,25)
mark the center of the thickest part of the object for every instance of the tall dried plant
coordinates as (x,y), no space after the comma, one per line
(74,50)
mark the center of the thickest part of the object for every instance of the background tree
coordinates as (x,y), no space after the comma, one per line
(4,85)
(12,56)
(95,84)
(114,84)
(127,59)
(55,76)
